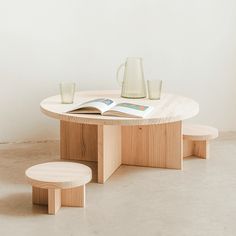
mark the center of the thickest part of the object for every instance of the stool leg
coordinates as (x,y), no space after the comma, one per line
(201,149)
(39,196)
(54,201)
(73,197)
(187,148)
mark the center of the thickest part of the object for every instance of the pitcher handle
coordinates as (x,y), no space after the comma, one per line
(117,74)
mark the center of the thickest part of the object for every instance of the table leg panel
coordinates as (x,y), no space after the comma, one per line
(109,151)
(78,141)
(174,145)
(153,145)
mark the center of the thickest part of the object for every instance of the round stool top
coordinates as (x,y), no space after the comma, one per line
(199,132)
(58,175)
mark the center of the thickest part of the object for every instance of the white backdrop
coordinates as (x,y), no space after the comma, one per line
(189,44)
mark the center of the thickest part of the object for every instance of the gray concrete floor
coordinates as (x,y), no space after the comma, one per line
(201,200)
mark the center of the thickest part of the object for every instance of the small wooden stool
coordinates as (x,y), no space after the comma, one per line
(196,140)
(58,184)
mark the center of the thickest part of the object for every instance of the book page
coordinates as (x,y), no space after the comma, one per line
(129,110)
(96,106)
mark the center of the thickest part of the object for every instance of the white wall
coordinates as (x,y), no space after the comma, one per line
(190,44)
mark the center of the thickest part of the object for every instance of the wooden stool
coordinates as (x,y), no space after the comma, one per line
(196,140)
(58,184)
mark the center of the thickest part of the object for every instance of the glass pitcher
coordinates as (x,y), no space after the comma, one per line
(133,83)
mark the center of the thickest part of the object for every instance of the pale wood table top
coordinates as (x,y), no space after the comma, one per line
(170,108)
(58,175)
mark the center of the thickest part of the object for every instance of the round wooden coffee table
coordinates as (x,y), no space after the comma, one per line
(155,141)
(58,183)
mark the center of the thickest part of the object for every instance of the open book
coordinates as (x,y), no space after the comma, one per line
(108,107)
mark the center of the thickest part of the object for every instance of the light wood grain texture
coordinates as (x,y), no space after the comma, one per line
(199,132)
(91,137)
(58,183)
(78,141)
(58,175)
(170,108)
(201,149)
(109,151)
(196,140)
(188,146)
(153,145)
(54,200)
(105,143)
(196,148)
(73,197)
(39,196)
